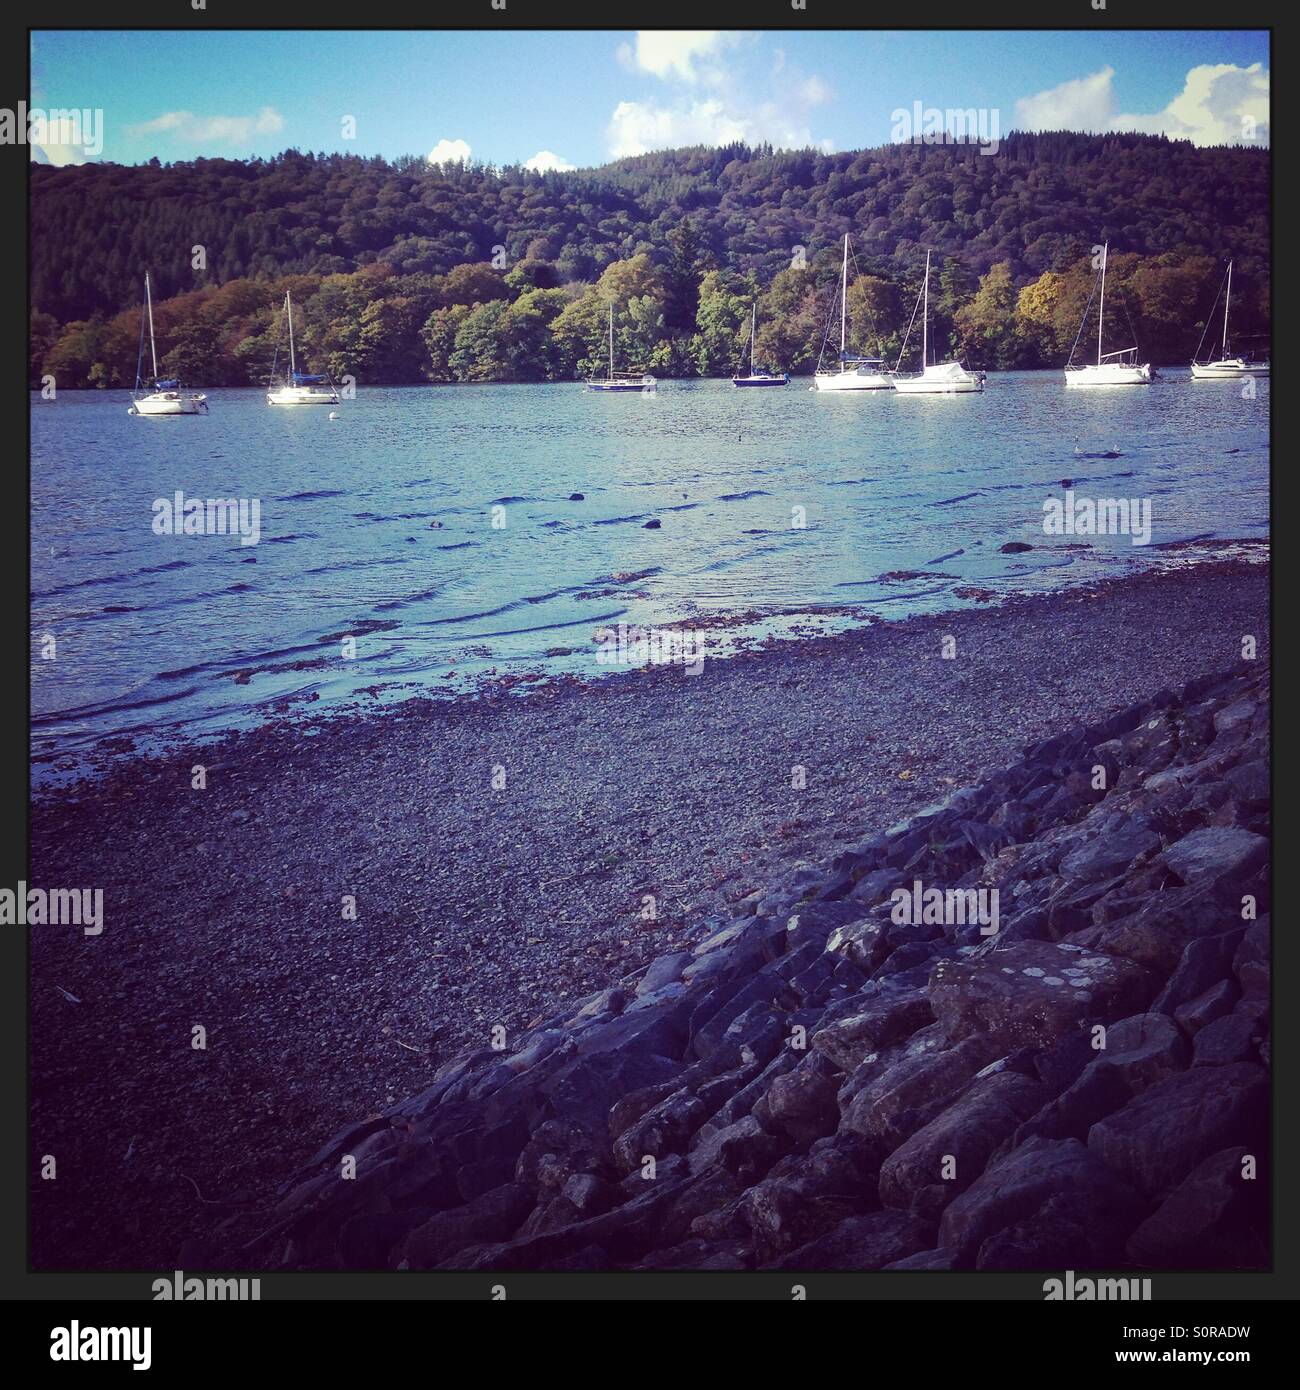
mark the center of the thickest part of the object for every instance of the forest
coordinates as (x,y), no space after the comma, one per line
(403,272)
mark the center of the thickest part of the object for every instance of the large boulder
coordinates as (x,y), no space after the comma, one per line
(1033,992)
(864,1242)
(1017,1188)
(950,1152)
(1215,1218)
(1160,1136)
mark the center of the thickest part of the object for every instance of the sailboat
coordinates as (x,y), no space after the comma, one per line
(619,381)
(298,388)
(758,378)
(1111,368)
(934,378)
(1223,365)
(161,397)
(855,373)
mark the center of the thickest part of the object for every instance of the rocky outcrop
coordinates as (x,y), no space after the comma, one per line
(1025,1029)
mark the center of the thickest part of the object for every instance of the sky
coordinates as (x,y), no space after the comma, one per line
(562,100)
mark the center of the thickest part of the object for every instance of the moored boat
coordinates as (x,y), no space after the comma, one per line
(1119,368)
(620,381)
(758,378)
(158,397)
(935,378)
(855,373)
(298,388)
(1225,365)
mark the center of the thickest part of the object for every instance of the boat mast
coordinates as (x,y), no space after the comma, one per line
(753,325)
(611,341)
(925,318)
(1226,302)
(1101,307)
(293,363)
(148,299)
(844,298)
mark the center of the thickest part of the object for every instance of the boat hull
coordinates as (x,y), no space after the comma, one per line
(781,380)
(1109,374)
(301,395)
(613,386)
(172,403)
(853,381)
(946,379)
(1227,368)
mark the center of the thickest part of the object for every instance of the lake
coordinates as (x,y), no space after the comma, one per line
(781,512)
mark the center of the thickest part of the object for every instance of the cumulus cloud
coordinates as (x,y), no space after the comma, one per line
(544,162)
(1220,104)
(686,54)
(712,79)
(187,128)
(449,152)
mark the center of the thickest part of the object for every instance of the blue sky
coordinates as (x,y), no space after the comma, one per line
(580,99)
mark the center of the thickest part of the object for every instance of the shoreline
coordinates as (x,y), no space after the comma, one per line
(478,904)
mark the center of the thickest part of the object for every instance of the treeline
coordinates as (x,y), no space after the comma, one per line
(402,272)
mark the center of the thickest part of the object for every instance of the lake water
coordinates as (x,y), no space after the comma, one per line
(160,635)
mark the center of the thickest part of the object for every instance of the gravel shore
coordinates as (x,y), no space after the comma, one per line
(475,905)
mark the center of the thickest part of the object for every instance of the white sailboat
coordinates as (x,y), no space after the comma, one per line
(1111,368)
(934,378)
(758,378)
(1223,365)
(161,397)
(855,373)
(619,381)
(298,388)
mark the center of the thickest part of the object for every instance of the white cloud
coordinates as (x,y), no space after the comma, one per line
(1083,103)
(676,53)
(449,152)
(717,77)
(1217,105)
(544,162)
(189,129)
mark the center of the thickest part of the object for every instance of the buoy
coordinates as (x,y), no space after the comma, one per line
(334,415)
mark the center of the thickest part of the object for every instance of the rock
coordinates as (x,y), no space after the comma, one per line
(493,1216)
(577,497)
(954,1147)
(664,1129)
(652,525)
(1205,1008)
(943,1258)
(1030,993)
(1216,1218)
(1203,964)
(1110,853)
(1159,1137)
(863,1242)
(1015,1188)
(911,1091)
(1251,963)
(1014,548)
(1233,1038)
(802,1102)
(888,1016)
(864,943)
(1216,852)
(664,970)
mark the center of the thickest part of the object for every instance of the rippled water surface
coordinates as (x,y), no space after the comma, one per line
(906,499)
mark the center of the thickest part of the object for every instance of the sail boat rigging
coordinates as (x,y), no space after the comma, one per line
(1111,368)
(159,397)
(297,388)
(938,378)
(619,381)
(855,373)
(1223,365)
(758,378)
